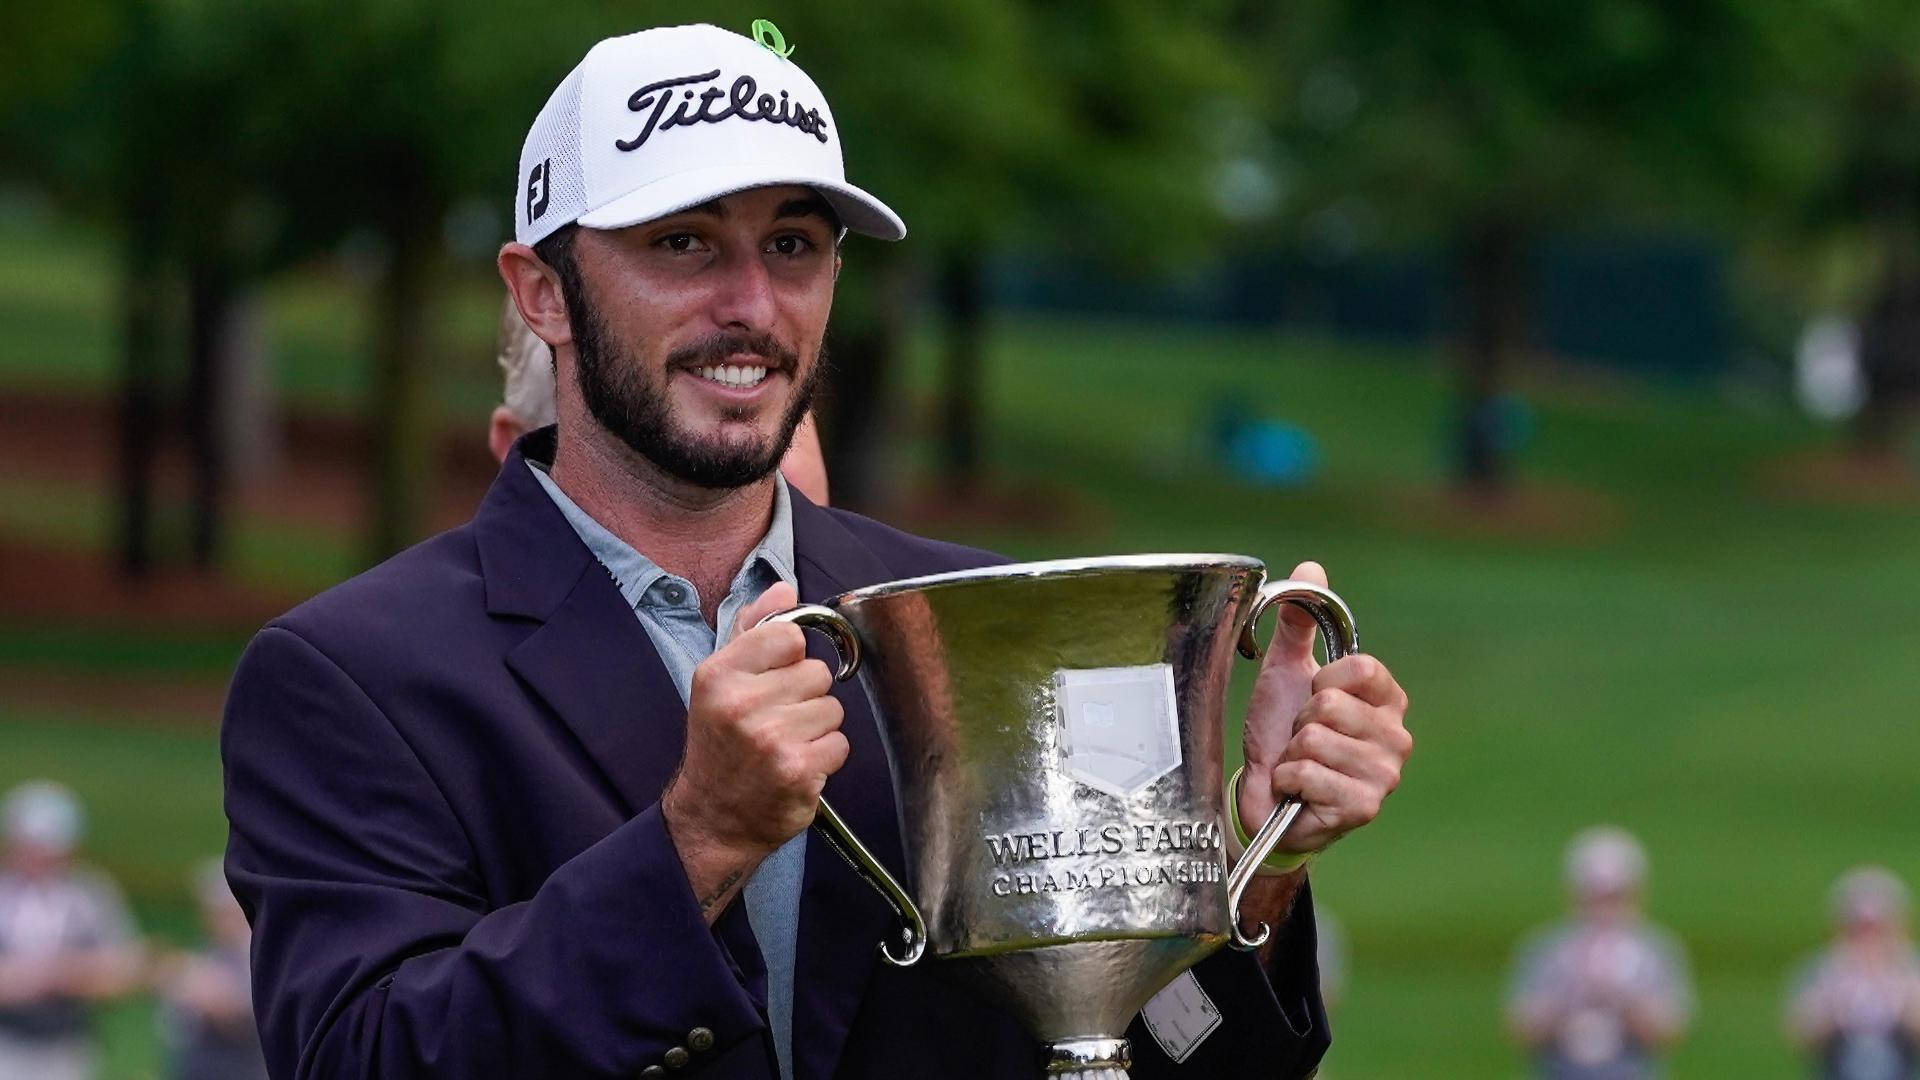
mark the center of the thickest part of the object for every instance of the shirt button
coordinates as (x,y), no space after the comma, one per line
(652,1072)
(677,1057)
(675,594)
(700,1040)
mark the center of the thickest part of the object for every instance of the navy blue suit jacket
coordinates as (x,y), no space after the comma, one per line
(442,779)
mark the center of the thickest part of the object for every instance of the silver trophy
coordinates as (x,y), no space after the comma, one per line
(1054,732)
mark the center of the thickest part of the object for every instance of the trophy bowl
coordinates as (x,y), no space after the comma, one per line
(1055,736)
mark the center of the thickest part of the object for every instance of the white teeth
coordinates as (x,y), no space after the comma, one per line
(733,374)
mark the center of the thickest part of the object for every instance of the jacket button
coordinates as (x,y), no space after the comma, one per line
(700,1040)
(652,1072)
(677,1057)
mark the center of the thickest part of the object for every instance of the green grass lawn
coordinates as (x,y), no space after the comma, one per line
(1685,651)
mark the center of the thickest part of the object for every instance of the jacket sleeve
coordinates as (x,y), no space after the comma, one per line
(375,953)
(1272,1022)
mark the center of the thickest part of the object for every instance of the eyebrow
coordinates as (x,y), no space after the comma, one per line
(809,206)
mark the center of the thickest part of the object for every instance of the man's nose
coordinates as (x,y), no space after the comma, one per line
(743,297)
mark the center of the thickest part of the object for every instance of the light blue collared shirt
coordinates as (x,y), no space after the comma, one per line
(668,606)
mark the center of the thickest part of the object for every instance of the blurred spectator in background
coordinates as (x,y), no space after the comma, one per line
(1330,953)
(526,365)
(1856,1008)
(1599,996)
(66,941)
(206,1011)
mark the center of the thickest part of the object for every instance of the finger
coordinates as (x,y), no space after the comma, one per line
(1336,802)
(766,648)
(1349,715)
(753,697)
(808,721)
(803,680)
(808,680)
(1365,677)
(830,751)
(1368,762)
(1294,629)
(779,597)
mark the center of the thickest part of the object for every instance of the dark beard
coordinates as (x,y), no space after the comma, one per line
(627,401)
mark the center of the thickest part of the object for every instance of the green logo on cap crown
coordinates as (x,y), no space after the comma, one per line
(770,38)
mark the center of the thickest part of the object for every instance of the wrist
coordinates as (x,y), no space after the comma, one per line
(693,834)
(1239,838)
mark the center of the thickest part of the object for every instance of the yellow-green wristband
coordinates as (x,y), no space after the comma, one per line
(1278,862)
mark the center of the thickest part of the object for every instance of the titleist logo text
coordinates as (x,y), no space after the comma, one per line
(743,100)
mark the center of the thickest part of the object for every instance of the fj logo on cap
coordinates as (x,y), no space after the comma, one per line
(743,102)
(539,189)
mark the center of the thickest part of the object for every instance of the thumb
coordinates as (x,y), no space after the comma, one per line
(779,597)
(1294,629)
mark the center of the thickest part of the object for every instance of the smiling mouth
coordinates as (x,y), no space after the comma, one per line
(736,376)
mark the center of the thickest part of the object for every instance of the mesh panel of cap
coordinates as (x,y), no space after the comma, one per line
(553,145)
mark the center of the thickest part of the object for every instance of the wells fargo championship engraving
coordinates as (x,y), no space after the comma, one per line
(1117,855)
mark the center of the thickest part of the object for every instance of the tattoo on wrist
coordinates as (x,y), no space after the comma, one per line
(720,892)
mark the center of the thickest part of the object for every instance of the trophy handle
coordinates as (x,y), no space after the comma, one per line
(912,943)
(846,643)
(1341,639)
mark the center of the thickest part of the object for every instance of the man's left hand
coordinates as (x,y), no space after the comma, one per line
(1334,737)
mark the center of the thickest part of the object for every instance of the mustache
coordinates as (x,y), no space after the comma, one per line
(717,348)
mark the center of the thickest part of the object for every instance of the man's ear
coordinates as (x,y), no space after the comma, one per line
(536,292)
(837,262)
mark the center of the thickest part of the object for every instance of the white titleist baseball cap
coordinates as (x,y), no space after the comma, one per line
(652,123)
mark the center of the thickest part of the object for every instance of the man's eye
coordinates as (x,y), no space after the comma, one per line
(791,244)
(679,242)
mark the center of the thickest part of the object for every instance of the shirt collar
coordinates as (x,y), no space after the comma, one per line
(634,573)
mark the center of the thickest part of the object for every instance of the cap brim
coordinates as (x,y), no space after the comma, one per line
(858,210)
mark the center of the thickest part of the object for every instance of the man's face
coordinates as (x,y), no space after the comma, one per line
(34,860)
(1609,906)
(699,345)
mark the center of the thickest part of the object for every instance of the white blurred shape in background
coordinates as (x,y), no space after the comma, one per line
(1827,376)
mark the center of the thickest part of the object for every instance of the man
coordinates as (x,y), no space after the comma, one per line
(526,369)
(66,941)
(1856,1010)
(531,799)
(1599,997)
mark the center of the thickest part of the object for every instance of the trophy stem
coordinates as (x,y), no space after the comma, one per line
(1089,1059)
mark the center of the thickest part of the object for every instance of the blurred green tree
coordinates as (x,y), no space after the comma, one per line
(1479,125)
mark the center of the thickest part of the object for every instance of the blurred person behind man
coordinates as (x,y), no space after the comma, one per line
(1855,1009)
(66,940)
(526,368)
(206,996)
(1330,955)
(1599,996)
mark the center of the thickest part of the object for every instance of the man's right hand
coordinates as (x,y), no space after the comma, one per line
(763,735)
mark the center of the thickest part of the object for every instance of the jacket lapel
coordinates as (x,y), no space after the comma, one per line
(590,660)
(842,920)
